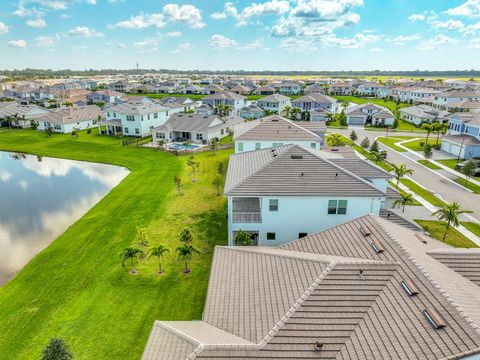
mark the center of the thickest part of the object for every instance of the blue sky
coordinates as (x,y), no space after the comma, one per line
(241,34)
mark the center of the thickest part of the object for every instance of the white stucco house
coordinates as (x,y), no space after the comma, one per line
(463,136)
(235,101)
(315,101)
(423,114)
(252,111)
(275,103)
(67,120)
(369,114)
(282,194)
(444,99)
(199,129)
(290,88)
(274,131)
(22,114)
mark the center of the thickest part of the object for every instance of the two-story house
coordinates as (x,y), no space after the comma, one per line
(235,101)
(19,115)
(369,114)
(290,88)
(281,194)
(275,103)
(252,111)
(444,99)
(463,135)
(274,131)
(315,101)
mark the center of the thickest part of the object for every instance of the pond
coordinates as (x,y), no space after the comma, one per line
(40,198)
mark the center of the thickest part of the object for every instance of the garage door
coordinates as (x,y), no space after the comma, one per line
(355,120)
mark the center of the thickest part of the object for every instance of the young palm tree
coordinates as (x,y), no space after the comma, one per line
(159,251)
(227,109)
(407,199)
(428,128)
(142,241)
(185,252)
(427,151)
(376,157)
(400,171)
(130,254)
(336,140)
(450,213)
(286,111)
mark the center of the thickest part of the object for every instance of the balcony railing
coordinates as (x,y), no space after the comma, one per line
(247,217)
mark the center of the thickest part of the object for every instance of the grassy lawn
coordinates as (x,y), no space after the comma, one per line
(226,140)
(429,164)
(473,227)
(391,142)
(451,164)
(415,202)
(415,145)
(454,238)
(76,288)
(422,192)
(475,188)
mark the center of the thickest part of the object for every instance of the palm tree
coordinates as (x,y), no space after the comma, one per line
(437,128)
(227,109)
(286,111)
(159,252)
(130,254)
(407,199)
(400,171)
(294,113)
(450,213)
(376,157)
(428,128)
(427,151)
(336,140)
(142,241)
(185,252)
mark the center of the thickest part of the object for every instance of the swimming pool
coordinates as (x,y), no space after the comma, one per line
(180,146)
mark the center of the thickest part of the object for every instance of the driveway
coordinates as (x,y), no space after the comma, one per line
(429,179)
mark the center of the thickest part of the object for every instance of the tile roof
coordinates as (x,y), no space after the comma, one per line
(291,170)
(274,98)
(425,112)
(315,97)
(362,168)
(188,122)
(72,115)
(465,262)
(333,290)
(137,108)
(225,95)
(461,138)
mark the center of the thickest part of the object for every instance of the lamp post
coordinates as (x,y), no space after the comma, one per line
(460,151)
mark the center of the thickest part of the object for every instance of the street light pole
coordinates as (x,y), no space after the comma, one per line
(460,151)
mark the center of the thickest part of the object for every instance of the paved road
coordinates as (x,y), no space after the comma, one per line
(429,179)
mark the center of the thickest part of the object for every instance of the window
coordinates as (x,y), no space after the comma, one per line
(302,235)
(114,114)
(137,131)
(222,131)
(275,145)
(258,146)
(337,207)
(160,135)
(148,117)
(125,130)
(141,117)
(108,114)
(57,127)
(130,118)
(271,236)
(155,115)
(313,145)
(342,207)
(332,207)
(240,146)
(199,136)
(273,205)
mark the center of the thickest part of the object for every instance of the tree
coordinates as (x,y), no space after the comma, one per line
(376,157)
(400,171)
(428,128)
(186,236)
(56,349)
(286,111)
(213,145)
(178,184)
(353,136)
(217,184)
(186,252)
(330,118)
(365,143)
(342,119)
(159,251)
(437,128)
(406,199)
(242,238)
(194,165)
(294,113)
(374,147)
(130,254)
(227,110)
(336,140)
(450,213)
(142,241)
(427,151)
(221,169)
(468,169)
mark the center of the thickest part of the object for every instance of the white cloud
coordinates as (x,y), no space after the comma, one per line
(147,44)
(470,8)
(257,44)
(229,9)
(471,29)
(4,29)
(448,25)
(358,41)
(436,43)
(45,41)
(272,7)
(174,34)
(143,21)
(17,43)
(298,45)
(188,14)
(475,43)
(416,17)
(218,41)
(36,23)
(5,175)
(402,39)
(182,48)
(85,32)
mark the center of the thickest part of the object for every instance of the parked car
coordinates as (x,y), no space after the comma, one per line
(383,153)
(476,170)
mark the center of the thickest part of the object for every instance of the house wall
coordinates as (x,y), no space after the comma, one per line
(66,128)
(301,215)
(465,152)
(274,106)
(143,123)
(251,145)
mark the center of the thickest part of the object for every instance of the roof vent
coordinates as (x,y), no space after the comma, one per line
(421,238)
(276,120)
(409,287)
(360,273)
(333,150)
(296,157)
(434,318)
(365,231)
(319,346)
(377,247)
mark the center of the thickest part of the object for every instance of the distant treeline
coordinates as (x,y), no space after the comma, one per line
(40,73)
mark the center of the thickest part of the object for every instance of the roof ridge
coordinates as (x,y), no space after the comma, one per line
(437,286)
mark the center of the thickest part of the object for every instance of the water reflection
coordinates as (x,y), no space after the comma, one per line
(40,197)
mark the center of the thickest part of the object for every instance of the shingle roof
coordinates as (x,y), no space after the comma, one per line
(292,171)
(332,288)
(275,127)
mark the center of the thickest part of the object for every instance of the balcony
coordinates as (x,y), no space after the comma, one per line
(246,211)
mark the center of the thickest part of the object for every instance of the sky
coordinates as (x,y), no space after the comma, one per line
(241,34)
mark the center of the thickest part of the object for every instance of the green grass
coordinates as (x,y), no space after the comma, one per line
(473,227)
(474,187)
(422,192)
(76,289)
(429,164)
(226,140)
(391,142)
(415,202)
(415,145)
(454,238)
(451,164)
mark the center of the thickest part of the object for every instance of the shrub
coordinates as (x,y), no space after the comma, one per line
(56,349)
